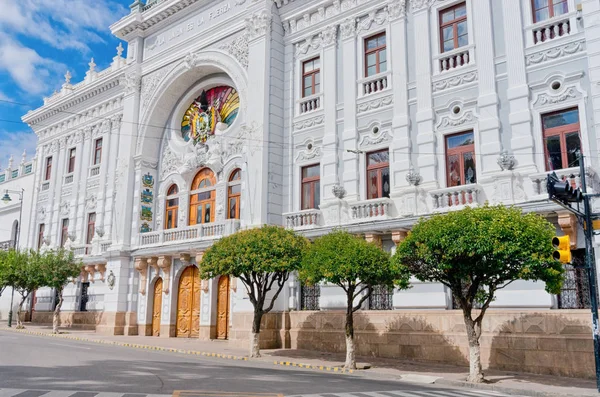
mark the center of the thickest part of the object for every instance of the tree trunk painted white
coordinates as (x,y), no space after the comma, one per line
(19,322)
(255,336)
(56,316)
(473,334)
(350,351)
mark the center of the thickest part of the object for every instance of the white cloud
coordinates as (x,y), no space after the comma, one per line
(13,144)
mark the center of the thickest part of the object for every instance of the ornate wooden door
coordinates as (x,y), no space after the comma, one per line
(157,307)
(223,308)
(188,304)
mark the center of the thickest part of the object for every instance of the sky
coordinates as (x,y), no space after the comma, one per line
(39,41)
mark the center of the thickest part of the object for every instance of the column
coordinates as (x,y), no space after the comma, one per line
(104,165)
(351,173)
(329,162)
(81,184)
(34,220)
(426,139)
(56,182)
(400,150)
(116,319)
(109,202)
(487,102)
(80,173)
(522,140)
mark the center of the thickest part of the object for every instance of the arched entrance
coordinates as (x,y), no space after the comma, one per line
(157,307)
(223,308)
(188,304)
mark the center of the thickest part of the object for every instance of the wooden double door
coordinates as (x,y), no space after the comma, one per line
(223,308)
(188,304)
(157,307)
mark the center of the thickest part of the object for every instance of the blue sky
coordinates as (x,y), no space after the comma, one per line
(39,41)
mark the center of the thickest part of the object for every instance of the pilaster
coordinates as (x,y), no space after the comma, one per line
(83,200)
(329,162)
(56,183)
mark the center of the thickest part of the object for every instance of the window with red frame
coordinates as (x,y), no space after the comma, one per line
(97,151)
(562,143)
(48,173)
(41,231)
(546,9)
(64,235)
(71,164)
(234,194)
(91,227)
(311,187)
(375,55)
(454,31)
(460,159)
(311,77)
(172,211)
(378,174)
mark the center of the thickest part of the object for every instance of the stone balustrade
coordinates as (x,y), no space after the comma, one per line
(456,197)
(69,179)
(552,29)
(310,103)
(45,186)
(305,219)
(6,245)
(573,175)
(94,170)
(373,84)
(371,209)
(205,231)
(454,59)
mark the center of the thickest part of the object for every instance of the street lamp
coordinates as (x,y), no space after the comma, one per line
(6,199)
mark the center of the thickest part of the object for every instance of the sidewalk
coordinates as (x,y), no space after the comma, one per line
(501,381)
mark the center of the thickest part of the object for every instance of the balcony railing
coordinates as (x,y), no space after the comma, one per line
(456,197)
(82,250)
(573,175)
(310,103)
(551,29)
(371,209)
(205,231)
(94,170)
(451,60)
(305,219)
(45,186)
(68,179)
(373,84)
(6,245)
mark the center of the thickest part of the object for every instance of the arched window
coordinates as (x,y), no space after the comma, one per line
(233,194)
(202,199)
(172,211)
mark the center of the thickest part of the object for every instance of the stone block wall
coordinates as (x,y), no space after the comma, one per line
(272,333)
(543,342)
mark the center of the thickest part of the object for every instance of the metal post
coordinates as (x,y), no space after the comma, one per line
(590,264)
(17,240)
(10,312)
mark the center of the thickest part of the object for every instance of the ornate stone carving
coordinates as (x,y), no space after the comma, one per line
(554,53)
(397,9)
(506,161)
(149,84)
(447,121)
(568,224)
(338,191)
(191,60)
(238,49)
(131,83)
(164,263)
(41,213)
(204,155)
(141,265)
(329,35)
(304,155)
(64,208)
(301,125)
(170,162)
(375,139)
(455,81)
(375,104)
(348,28)
(413,177)
(418,5)
(90,202)
(546,99)
(379,18)
(258,24)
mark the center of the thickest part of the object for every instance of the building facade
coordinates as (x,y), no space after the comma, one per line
(357,114)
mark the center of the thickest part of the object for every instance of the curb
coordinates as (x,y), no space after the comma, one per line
(314,367)
(506,389)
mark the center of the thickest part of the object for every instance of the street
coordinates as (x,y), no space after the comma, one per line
(33,366)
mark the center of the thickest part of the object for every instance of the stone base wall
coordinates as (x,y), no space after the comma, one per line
(105,323)
(271,330)
(543,342)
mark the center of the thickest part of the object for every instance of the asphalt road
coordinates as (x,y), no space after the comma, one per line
(41,363)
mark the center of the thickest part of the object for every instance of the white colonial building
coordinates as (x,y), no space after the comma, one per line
(313,114)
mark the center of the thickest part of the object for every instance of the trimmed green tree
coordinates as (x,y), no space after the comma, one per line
(27,275)
(58,268)
(477,251)
(356,266)
(4,272)
(262,259)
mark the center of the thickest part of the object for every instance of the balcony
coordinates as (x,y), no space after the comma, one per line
(306,219)
(6,245)
(455,59)
(551,29)
(94,170)
(373,84)
(457,197)
(310,103)
(96,248)
(207,231)
(376,209)
(68,179)
(573,175)
(45,186)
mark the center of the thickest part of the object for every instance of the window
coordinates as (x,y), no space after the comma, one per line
(97,151)
(311,187)
(454,32)
(375,55)
(378,174)
(311,77)
(172,211)
(40,240)
(48,173)
(460,159)
(546,9)
(2,177)
(71,161)
(562,144)
(14,174)
(91,227)
(65,232)
(234,193)
(28,169)
(202,200)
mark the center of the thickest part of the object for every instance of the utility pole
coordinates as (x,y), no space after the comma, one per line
(562,193)
(6,199)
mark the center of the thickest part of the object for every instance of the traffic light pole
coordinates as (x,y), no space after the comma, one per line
(590,265)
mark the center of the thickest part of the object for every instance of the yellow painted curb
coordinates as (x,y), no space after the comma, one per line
(314,367)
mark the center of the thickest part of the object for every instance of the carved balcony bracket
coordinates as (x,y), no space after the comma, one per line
(398,236)
(374,238)
(141,265)
(153,262)
(185,258)
(91,269)
(84,275)
(164,263)
(568,224)
(199,257)
(101,268)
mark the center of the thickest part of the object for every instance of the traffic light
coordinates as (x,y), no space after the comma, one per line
(562,249)
(562,190)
